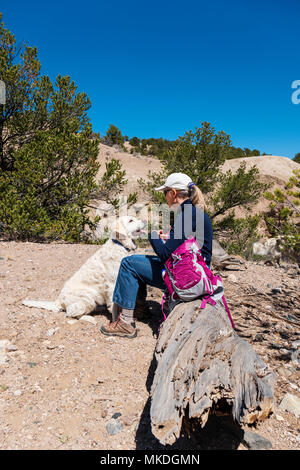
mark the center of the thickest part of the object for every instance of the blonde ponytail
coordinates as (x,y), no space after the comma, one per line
(196,197)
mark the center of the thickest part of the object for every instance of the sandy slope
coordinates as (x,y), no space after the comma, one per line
(272,168)
(135,166)
(279,168)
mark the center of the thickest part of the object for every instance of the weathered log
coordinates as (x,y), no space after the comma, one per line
(203,366)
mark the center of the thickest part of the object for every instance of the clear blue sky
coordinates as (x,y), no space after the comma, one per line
(159,68)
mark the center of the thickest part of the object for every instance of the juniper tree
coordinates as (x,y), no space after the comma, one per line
(48,151)
(201,155)
(114,136)
(283,218)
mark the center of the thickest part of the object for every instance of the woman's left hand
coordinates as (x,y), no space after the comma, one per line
(163,236)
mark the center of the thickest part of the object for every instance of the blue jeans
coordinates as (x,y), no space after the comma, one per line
(136,271)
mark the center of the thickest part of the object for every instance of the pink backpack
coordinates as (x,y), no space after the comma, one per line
(187,277)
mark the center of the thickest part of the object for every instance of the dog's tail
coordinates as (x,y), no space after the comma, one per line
(53,306)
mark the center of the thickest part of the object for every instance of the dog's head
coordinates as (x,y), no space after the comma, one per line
(126,229)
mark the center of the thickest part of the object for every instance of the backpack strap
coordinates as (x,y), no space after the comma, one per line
(162,305)
(228,311)
(208,300)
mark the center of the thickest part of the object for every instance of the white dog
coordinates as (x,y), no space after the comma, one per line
(93,284)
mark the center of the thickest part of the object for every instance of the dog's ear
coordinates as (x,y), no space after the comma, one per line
(119,231)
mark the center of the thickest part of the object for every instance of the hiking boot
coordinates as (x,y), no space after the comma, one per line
(119,328)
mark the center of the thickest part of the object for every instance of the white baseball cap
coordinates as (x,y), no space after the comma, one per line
(176,181)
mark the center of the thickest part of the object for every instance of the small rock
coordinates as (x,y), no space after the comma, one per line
(259,337)
(286,352)
(88,319)
(284,334)
(292,369)
(293,386)
(3,357)
(116,415)
(129,420)
(292,318)
(113,427)
(296,344)
(17,393)
(232,278)
(52,331)
(279,418)
(277,290)
(11,348)
(284,372)
(104,413)
(32,364)
(291,403)
(72,322)
(255,442)
(295,357)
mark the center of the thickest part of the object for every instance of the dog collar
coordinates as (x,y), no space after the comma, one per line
(119,243)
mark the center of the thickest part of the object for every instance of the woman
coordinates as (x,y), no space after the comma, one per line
(136,271)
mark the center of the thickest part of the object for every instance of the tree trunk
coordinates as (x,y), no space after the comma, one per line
(204,367)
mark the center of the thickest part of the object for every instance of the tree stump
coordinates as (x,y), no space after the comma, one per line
(204,367)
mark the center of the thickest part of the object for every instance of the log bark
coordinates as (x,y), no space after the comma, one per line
(204,367)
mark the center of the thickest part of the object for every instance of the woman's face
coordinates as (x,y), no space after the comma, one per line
(171,196)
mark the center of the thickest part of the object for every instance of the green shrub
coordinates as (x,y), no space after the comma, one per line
(237,235)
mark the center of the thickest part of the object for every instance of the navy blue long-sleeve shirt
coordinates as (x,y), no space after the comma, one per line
(189,221)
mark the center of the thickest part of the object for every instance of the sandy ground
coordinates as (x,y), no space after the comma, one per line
(61,383)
